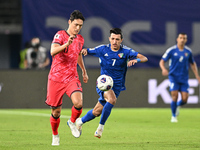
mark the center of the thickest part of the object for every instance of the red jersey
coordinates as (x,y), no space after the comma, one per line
(64,64)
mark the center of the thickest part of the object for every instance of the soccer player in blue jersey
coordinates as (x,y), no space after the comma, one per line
(114,59)
(179,56)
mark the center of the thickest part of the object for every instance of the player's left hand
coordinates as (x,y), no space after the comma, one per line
(85,77)
(84,51)
(132,62)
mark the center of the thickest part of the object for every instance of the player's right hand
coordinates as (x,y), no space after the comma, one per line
(85,77)
(70,39)
(165,72)
(84,51)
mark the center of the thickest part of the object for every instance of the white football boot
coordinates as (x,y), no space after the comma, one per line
(174,119)
(98,133)
(55,140)
(79,124)
(73,128)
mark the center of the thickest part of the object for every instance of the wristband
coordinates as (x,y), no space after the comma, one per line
(138,60)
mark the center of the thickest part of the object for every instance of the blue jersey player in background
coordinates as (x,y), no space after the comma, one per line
(180,57)
(114,59)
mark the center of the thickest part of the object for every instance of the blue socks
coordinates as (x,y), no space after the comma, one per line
(104,116)
(106,112)
(173,108)
(89,116)
(174,105)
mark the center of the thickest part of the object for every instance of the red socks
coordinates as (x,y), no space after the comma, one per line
(55,121)
(76,112)
(54,124)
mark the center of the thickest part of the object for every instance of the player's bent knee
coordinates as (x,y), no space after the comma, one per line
(184,100)
(56,112)
(78,105)
(112,101)
(96,114)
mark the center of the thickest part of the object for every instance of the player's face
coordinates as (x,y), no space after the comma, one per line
(182,39)
(115,41)
(75,26)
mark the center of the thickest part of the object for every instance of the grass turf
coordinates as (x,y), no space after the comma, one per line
(126,129)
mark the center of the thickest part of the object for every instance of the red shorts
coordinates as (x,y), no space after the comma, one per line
(56,90)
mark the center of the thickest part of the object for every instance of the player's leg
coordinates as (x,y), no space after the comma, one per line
(77,101)
(55,121)
(183,101)
(184,94)
(111,100)
(174,88)
(74,91)
(184,97)
(174,95)
(91,114)
(55,92)
(76,110)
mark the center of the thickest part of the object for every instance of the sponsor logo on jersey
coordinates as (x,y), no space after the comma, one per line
(121,55)
(106,54)
(175,54)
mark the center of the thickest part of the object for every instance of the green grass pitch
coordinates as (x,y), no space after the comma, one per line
(126,129)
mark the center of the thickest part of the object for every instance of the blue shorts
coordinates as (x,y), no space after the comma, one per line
(101,97)
(182,87)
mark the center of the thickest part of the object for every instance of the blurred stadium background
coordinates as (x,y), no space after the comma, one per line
(149,27)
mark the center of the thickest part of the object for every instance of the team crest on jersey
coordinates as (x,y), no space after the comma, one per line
(186,54)
(121,55)
(57,36)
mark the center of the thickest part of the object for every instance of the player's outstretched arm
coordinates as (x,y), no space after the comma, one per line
(140,58)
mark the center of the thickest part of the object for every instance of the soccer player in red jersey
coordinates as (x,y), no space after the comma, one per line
(63,76)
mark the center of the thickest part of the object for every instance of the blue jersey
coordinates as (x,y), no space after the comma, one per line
(114,63)
(179,61)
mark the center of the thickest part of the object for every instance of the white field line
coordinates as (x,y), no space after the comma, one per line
(28,113)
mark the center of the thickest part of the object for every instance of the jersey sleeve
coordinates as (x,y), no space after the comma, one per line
(166,55)
(95,51)
(191,58)
(133,54)
(58,38)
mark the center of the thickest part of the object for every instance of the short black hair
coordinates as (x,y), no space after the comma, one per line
(76,14)
(182,33)
(116,31)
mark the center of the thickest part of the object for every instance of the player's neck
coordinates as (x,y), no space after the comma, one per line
(180,47)
(114,50)
(68,32)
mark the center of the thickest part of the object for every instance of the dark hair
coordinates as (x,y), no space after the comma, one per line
(116,31)
(76,14)
(182,33)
